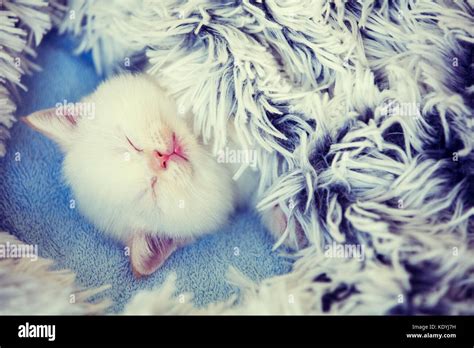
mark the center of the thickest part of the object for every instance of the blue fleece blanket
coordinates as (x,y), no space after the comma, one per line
(35,205)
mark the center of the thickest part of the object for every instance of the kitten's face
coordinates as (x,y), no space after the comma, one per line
(135,166)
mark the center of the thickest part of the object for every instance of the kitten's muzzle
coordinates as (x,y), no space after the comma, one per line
(160,160)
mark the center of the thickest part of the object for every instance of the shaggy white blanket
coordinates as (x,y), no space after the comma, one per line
(361,113)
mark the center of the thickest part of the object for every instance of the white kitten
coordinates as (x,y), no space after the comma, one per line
(137,171)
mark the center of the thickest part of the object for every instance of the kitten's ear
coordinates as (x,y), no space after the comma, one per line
(55,123)
(149,252)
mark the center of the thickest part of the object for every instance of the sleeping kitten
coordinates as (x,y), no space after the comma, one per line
(139,173)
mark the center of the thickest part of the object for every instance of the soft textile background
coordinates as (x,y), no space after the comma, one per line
(35,205)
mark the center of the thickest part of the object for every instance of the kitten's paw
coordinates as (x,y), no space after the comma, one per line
(148,252)
(276,222)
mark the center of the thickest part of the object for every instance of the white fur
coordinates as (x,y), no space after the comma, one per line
(111,180)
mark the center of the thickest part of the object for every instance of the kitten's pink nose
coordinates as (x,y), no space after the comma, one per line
(163,158)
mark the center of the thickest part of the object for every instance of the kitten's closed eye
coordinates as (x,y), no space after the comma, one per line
(133,145)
